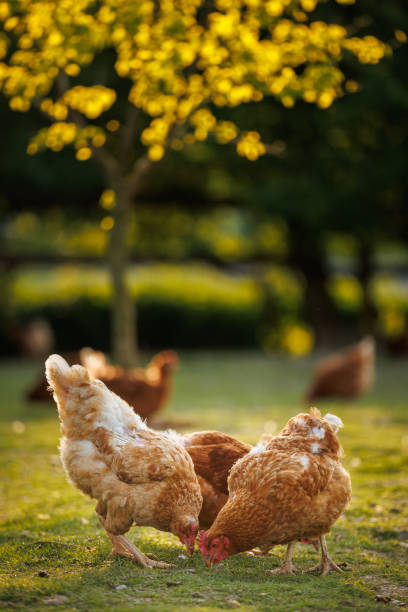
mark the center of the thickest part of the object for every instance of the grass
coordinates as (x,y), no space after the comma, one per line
(54,554)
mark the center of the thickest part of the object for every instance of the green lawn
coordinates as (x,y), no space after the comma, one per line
(47,526)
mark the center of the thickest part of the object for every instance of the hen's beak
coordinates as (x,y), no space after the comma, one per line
(209,561)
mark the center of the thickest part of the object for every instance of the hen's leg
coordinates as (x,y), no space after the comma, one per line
(326,563)
(122,546)
(287,566)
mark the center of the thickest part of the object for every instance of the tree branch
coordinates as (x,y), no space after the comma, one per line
(136,179)
(102,156)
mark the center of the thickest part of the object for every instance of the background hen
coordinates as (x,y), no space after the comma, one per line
(347,373)
(145,389)
(136,474)
(293,489)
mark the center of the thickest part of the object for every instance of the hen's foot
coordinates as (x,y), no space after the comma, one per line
(325,566)
(136,555)
(326,563)
(285,568)
(118,549)
(159,564)
(122,546)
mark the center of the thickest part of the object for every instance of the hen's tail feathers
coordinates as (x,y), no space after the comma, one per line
(61,377)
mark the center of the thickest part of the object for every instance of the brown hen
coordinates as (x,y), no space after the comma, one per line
(294,489)
(136,475)
(347,373)
(146,390)
(213,454)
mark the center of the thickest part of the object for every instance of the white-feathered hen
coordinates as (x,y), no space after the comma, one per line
(136,474)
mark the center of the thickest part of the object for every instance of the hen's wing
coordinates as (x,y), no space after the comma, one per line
(280,472)
(213,454)
(136,457)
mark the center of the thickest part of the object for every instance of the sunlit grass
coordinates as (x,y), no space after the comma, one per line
(47,526)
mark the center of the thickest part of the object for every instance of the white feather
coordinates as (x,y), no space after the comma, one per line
(257,449)
(334,421)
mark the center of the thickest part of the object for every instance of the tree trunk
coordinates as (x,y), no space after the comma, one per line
(123,322)
(307,255)
(368,314)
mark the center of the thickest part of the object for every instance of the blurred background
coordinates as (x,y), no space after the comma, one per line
(246,270)
(306,247)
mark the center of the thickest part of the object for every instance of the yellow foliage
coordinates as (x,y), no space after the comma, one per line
(392,322)
(179,62)
(4,10)
(83,153)
(108,199)
(107,223)
(297,340)
(91,101)
(250,146)
(401,36)
(346,291)
(113,125)
(156,152)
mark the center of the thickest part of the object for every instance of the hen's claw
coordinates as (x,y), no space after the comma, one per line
(326,563)
(285,568)
(325,566)
(122,546)
(160,564)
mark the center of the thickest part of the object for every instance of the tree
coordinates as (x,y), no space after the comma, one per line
(117,77)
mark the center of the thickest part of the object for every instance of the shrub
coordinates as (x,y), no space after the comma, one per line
(178,306)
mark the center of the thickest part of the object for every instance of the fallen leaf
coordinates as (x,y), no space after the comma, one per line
(171,583)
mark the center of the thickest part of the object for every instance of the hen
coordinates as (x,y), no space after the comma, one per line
(294,489)
(213,454)
(137,475)
(347,373)
(146,390)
